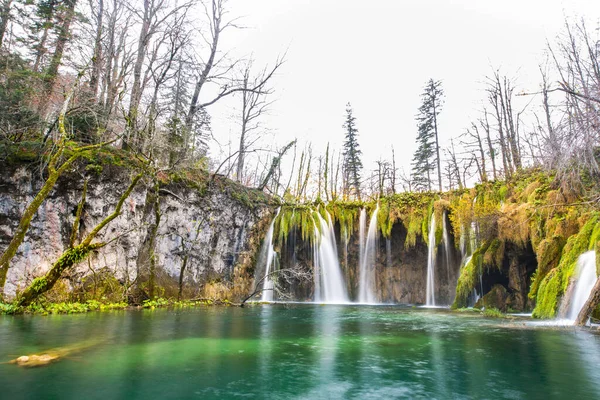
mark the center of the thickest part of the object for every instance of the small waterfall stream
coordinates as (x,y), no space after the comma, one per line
(367,260)
(446,238)
(586,279)
(271,262)
(430,294)
(330,286)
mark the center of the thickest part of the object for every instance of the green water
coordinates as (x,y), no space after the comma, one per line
(298,352)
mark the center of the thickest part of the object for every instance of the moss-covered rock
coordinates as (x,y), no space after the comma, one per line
(495,298)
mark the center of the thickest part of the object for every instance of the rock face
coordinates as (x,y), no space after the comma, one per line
(213,229)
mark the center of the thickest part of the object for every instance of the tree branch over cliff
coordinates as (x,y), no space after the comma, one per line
(73,255)
(55,170)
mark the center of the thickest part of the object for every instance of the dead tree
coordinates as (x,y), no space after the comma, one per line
(279,277)
(254,105)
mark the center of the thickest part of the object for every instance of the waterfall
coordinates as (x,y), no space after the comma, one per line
(430,299)
(329,282)
(362,231)
(586,279)
(367,261)
(271,262)
(446,238)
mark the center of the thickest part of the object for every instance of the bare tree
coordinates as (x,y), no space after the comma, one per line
(254,105)
(280,278)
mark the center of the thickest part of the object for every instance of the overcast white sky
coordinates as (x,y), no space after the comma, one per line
(378,54)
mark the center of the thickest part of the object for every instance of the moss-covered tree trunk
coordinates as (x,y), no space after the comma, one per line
(41,285)
(55,170)
(25,221)
(73,255)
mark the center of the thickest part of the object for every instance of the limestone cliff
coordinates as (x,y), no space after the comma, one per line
(214,229)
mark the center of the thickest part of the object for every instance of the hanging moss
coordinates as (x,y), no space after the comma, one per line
(384,219)
(426,222)
(494,254)
(548,254)
(548,295)
(514,223)
(469,275)
(413,227)
(345,215)
(461,215)
(576,245)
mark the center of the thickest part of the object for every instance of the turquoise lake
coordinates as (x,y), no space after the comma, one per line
(300,351)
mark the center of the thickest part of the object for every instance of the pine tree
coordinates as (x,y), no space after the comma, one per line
(427,155)
(352,162)
(422,164)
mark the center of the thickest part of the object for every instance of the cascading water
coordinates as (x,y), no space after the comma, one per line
(271,262)
(430,293)
(586,279)
(362,232)
(367,261)
(446,238)
(329,282)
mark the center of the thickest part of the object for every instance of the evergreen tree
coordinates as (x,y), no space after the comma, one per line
(352,162)
(427,155)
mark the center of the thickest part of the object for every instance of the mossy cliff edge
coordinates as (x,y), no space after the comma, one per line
(204,245)
(524,235)
(191,235)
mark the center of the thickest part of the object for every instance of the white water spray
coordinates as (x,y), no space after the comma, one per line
(430,299)
(586,279)
(367,261)
(446,238)
(271,263)
(329,282)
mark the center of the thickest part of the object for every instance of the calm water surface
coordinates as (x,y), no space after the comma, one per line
(298,352)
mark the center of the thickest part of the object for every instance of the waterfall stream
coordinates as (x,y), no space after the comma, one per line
(586,279)
(330,286)
(271,262)
(430,299)
(446,238)
(367,259)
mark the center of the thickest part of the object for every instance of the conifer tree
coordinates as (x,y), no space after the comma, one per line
(427,155)
(352,162)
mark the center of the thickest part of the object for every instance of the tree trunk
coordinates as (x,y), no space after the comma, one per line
(217,14)
(68,259)
(136,89)
(73,255)
(4,18)
(64,33)
(97,58)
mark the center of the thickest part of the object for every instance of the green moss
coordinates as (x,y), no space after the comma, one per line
(548,295)
(492,312)
(576,245)
(555,283)
(384,219)
(494,254)
(468,278)
(548,254)
(597,248)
